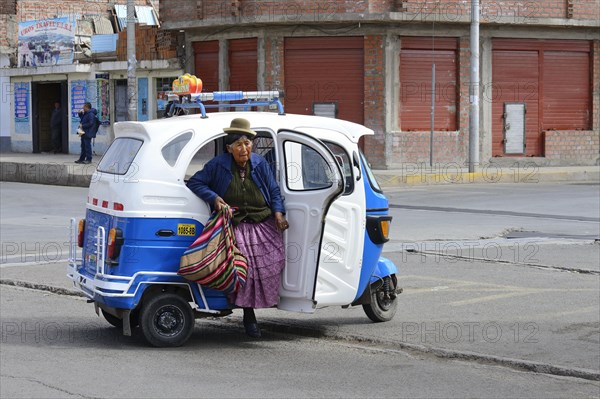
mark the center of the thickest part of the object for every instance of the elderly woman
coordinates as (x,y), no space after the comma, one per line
(244,180)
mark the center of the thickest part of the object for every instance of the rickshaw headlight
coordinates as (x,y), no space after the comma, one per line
(115,242)
(385,229)
(80,232)
(378,228)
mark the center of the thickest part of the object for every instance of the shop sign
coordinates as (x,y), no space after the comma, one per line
(22,102)
(46,42)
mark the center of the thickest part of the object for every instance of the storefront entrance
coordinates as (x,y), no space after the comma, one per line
(43,97)
(121,103)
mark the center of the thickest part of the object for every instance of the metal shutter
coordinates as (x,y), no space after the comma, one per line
(206,59)
(206,62)
(325,70)
(515,80)
(566,91)
(553,79)
(416,58)
(243,64)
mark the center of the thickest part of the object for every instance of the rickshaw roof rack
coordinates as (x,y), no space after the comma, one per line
(222,99)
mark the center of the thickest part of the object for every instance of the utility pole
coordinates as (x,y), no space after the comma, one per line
(131,63)
(432,115)
(474,89)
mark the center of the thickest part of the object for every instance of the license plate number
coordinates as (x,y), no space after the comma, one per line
(186,229)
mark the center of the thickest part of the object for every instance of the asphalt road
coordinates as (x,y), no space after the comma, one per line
(498,279)
(476,211)
(51,349)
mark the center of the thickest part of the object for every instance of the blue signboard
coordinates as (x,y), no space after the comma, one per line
(22,102)
(103,99)
(78,97)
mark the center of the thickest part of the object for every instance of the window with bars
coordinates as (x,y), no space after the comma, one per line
(163,85)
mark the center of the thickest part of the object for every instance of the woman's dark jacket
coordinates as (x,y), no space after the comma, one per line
(214,180)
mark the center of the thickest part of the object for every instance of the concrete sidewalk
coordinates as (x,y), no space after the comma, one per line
(61,170)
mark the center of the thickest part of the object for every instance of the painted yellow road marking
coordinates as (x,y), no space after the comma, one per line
(498,291)
(557,315)
(490,298)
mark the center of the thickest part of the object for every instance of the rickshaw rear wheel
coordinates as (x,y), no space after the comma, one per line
(166,320)
(383,306)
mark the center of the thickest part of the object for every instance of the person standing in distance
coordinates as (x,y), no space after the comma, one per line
(89,124)
(56,128)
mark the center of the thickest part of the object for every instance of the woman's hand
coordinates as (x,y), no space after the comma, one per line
(280,221)
(219,203)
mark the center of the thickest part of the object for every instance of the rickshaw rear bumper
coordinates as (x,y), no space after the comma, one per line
(113,294)
(119,292)
(126,292)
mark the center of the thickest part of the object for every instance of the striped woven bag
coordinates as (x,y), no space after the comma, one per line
(214,259)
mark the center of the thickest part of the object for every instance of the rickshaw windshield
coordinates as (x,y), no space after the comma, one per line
(343,160)
(370,175)
(120,156)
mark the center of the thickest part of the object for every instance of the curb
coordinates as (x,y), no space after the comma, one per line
(278,327)
(55,174)
(41,287)
(518,364)
(490,174)
(63,173)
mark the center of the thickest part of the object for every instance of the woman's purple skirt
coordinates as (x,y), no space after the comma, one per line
(262,244)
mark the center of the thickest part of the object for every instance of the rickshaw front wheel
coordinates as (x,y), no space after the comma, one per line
(166,320)
(384,301)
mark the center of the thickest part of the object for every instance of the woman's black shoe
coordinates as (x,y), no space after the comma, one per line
(252,330)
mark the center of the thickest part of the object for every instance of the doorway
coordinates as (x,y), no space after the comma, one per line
(44,95)
(121,103)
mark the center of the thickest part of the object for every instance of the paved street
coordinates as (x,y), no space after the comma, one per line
(501,299)
(52,348)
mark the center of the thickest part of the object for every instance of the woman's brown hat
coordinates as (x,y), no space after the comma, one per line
(240,126)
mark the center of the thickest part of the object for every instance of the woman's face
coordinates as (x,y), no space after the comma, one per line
(240,149)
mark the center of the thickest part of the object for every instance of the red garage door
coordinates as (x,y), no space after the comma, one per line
(325,70)
(242,64)
(552,78)
(567,96)
(515,77)
(206,62)
(416,59)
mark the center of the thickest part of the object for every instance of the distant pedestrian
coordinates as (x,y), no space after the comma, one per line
(90,125)
(56,127)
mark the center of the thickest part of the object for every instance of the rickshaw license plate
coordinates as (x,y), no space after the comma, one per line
(186,229)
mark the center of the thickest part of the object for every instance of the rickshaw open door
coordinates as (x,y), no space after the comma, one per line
(310,180)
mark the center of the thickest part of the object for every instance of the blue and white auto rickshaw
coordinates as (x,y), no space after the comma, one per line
(141,217)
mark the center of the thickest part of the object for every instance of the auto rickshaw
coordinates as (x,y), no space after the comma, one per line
(140,218)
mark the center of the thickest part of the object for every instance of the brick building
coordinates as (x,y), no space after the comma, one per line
(371,62)
(90,65)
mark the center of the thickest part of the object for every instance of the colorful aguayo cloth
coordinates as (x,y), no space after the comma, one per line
(213,259)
